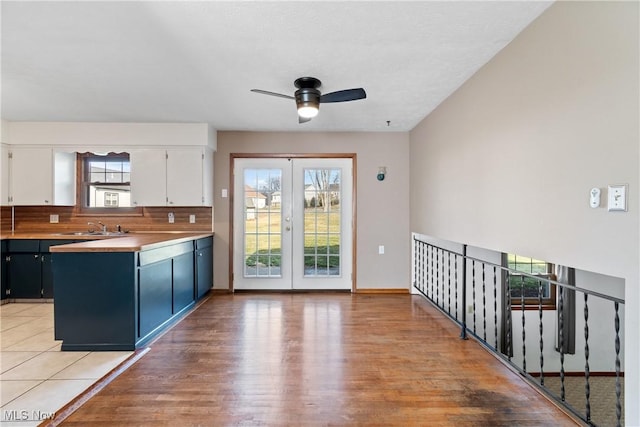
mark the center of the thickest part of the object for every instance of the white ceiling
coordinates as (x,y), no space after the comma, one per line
(184,61)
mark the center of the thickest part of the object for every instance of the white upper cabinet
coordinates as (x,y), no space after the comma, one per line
(172,177)
(189,177)
(148,177)
(40,176)
(4,175)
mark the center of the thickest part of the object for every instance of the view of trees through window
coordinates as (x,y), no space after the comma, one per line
(530,286)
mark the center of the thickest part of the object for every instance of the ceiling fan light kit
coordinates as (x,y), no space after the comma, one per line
(308,97)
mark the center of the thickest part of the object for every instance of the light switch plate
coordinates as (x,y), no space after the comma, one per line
(617,198)
(192,219)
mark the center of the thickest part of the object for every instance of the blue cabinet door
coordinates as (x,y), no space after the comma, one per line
(3,269)
(204,271)
(155,296)
(25,275)
(183,281)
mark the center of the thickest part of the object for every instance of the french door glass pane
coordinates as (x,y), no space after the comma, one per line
(262,222)
(322,198)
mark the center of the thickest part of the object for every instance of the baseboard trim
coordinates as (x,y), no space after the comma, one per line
(382,291)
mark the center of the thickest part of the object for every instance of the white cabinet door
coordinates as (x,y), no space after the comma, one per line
(148,177)
(4,175)
(31,180)
(64,169)
(207,177)
(184,177)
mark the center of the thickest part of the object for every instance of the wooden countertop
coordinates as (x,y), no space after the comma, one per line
(130,242)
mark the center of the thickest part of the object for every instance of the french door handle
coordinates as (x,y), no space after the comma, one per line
(288,219)
(288,228)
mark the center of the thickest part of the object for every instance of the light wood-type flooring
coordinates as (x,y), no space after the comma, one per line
(323,359)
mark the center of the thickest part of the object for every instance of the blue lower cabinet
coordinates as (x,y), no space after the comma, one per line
(183,281)
(204,266)
(25,275)
(3,269)
(95,304)
(155,296)
(28,265)
(47,276)
(120,300)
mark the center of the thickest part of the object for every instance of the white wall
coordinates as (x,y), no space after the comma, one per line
(382,206)
(506,163)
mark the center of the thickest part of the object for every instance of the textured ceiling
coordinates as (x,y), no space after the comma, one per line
(197,61)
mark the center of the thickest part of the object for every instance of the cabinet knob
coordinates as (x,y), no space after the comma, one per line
(36,256)
(46,201)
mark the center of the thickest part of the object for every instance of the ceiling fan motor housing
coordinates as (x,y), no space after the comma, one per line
(307,94)
(308,97)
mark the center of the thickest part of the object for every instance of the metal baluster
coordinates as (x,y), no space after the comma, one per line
(495,307)
(449,282)
(415,262)
(422,267)
(524,345)
(455,258)
(562,391)
(473,286)
(442,280)
(422,263)
(587,388)
(541,339)
(438,277)
(618,386)
(508,299)
(484,307)
(431,281)
(463,334)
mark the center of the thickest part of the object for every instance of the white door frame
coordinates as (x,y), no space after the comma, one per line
(233,222)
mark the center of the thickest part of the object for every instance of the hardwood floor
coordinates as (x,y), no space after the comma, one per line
(314,360)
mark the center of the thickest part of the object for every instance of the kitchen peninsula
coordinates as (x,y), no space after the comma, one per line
(119,293)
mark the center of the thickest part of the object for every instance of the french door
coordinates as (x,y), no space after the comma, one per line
(292,223)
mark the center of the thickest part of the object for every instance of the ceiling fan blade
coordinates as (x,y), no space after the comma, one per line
(303,119)
(344,95)
(266,92)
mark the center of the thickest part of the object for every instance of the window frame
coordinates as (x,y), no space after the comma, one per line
(83,183)
(531,303)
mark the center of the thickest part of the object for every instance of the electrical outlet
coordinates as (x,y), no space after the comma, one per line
(172,218)
(53,218)
(381,250)
(192,219)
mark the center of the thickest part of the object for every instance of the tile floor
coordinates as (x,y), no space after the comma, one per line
(36,377)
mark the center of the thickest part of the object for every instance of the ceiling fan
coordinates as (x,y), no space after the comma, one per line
(308,98)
